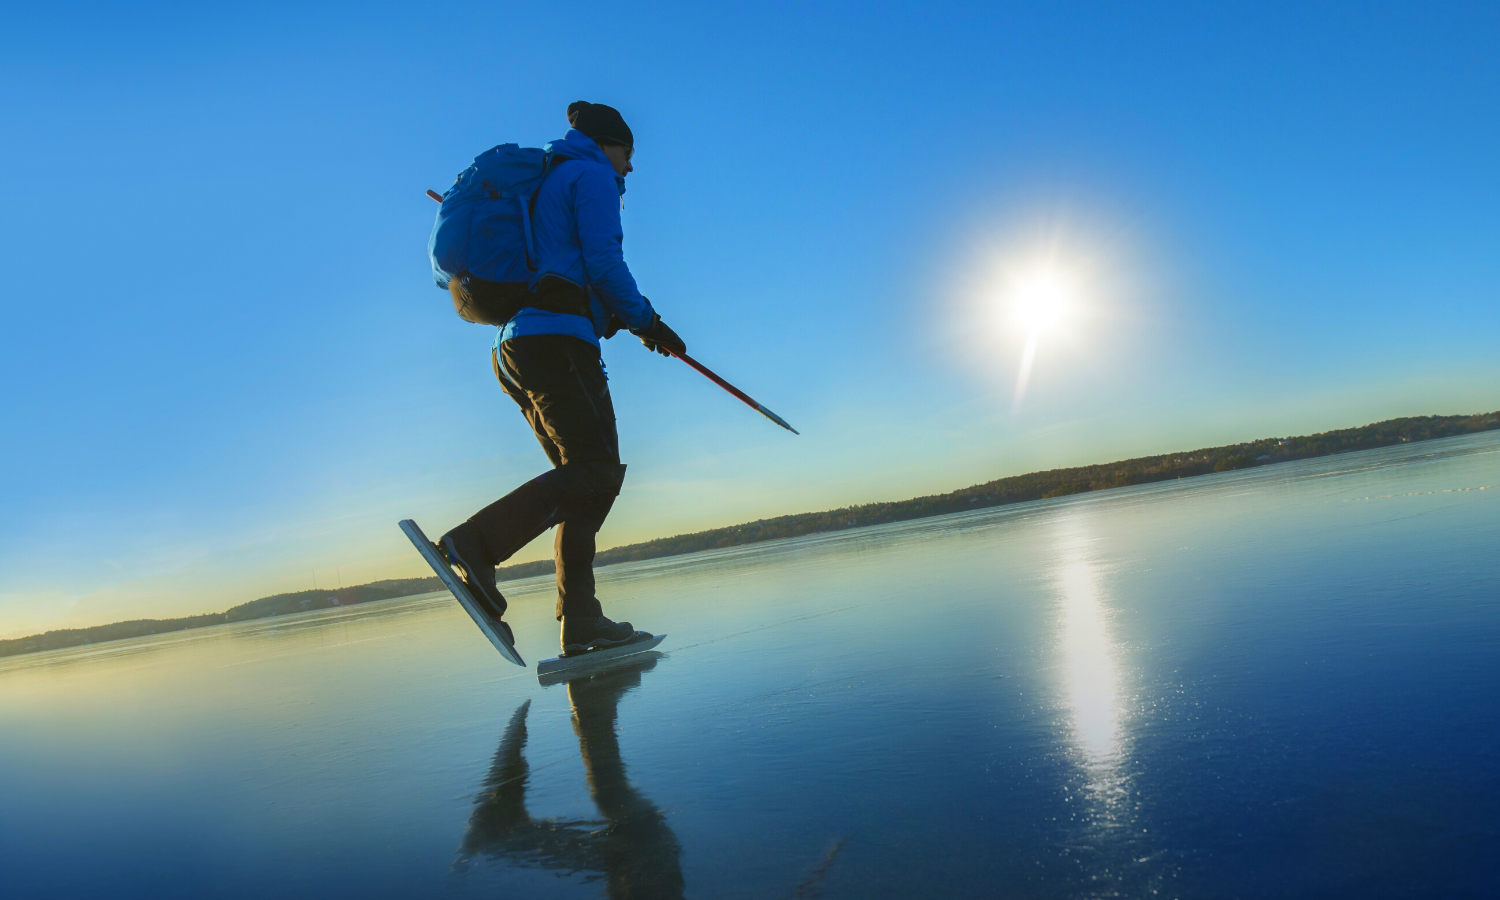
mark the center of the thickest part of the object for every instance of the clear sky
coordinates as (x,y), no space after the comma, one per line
(227,372)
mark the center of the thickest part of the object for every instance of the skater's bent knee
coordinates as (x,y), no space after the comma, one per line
(588,480)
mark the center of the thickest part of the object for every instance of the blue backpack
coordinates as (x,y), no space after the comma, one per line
(484,224)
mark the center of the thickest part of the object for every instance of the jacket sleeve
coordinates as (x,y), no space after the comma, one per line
(596,203)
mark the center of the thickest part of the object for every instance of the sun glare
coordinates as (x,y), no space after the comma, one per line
(1031,303)
(1040,300)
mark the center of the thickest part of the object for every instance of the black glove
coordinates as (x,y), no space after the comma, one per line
(658,338)
(614,326)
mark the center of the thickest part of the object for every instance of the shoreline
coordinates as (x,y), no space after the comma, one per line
(1000,492)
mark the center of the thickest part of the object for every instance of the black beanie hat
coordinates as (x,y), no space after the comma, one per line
(603,124)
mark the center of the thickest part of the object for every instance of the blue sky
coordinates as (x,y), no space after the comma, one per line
(227,372)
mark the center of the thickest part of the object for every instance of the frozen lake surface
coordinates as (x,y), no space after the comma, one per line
(1270,683)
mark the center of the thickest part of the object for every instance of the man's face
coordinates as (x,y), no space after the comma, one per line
(619,157)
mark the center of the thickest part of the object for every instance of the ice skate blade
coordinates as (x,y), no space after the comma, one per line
(460,593)
(550,670)
(601,668)
(642,662)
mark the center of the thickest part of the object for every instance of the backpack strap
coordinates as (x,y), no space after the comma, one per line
(528,208)
(532,260)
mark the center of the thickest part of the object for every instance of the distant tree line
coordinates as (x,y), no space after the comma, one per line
(278,605)
(1061,482)
(1001,492)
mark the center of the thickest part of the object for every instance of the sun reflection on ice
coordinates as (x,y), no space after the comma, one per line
(1111,840)
(1093,678)
(1091,670)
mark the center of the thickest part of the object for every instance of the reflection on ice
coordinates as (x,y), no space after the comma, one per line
(1093,682)
(633,847)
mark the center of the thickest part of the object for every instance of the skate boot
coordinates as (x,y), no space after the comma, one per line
(581,634)
(465,552)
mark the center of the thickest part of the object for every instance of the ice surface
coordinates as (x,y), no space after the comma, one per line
(1267,683)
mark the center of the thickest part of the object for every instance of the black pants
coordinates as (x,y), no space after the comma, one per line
(560,386)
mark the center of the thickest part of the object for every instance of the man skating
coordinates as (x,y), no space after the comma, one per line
(547,360)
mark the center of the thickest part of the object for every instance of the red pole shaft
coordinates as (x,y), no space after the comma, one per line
(746,398)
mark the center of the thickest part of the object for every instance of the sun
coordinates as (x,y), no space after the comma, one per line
(1041,298)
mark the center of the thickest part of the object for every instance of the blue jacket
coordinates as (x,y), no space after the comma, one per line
(578,237)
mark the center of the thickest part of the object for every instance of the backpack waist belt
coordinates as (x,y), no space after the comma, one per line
(495,302)
(560,295)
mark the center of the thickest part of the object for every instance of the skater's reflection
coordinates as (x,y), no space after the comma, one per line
(633,848)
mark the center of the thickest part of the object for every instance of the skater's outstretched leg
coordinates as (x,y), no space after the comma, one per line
(464,550)
(494,534)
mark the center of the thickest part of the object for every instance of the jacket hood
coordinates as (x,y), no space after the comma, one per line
(577,145)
